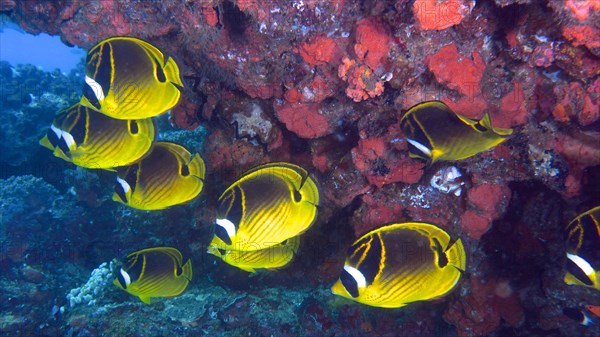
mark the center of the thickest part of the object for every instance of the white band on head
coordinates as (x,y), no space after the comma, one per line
(420,146)
(228,225)
(96,88)
(58,132)
(68,139)
(581,263)
(125,277)
(361,282)
(124,184)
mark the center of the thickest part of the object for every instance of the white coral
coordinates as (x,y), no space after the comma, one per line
(94,288)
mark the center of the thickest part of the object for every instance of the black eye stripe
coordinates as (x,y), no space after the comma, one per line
(349,283)
(574,269)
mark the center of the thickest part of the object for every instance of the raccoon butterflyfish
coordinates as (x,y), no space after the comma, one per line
(90,139)
(267,258)
(127,78)
(435,132)
(267,205)
(582,316)
(401,263)
(154,272)
(582,236)
(168,175)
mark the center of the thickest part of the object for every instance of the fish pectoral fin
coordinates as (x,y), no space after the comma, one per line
(145,299)
(468,120)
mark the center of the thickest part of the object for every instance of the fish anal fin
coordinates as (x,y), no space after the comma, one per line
(145,299)
(456,255)
(248,269)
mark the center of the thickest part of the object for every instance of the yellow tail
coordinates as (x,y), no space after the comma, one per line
(187,270)
(197,166)
(456,255)
(486,122)
(172,72)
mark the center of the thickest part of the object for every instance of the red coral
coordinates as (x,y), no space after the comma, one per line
(582,35)
(362,82)
(373,42)
(436,14)
(457,71)
(303,119)
(480,312)
(486,202)
(580,9)
(381,165)
(575,101)
(320,49)
(513,109)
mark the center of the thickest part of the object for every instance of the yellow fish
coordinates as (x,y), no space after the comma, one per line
(268,258)
(168,175)
(401,263)
(128,78)
(154,272)
(582,235)
(90,139)
(266,206)
(435,132)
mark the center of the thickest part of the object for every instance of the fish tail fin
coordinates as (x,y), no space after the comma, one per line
(172,72)
(456,255)
(197,166)
(486,122)
(187,270)
(310,190)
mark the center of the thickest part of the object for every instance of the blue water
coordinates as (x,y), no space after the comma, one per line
(43,50)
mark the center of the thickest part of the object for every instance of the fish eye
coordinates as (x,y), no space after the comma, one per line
(221,251)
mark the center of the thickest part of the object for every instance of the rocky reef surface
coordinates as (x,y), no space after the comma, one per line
(322,84)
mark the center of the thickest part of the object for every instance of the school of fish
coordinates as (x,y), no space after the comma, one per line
(261,216)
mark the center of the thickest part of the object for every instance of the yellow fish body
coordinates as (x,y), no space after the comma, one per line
(435,132)
(582,236)
(267,258)
(401,263)
(168,175)
(154,272)
(266,206)
(128,78)
(90,139)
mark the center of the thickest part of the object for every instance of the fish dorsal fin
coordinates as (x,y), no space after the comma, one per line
(456,255)
(467,120)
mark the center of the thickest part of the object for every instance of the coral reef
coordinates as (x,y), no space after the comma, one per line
(322,84)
